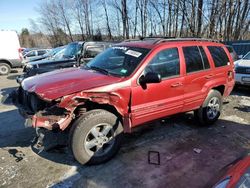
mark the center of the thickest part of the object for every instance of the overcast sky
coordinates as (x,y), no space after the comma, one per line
(15,14)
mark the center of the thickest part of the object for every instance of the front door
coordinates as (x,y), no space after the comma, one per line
(157,100)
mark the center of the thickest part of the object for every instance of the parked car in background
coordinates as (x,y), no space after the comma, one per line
(232,53)
(10,52)
(26,50)
(38,53)
(47,55)
(242,70)
(74,55)
(125,86)
(92,49)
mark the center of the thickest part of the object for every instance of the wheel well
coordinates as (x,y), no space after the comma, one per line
(221,89)
(89,105)
(5,61)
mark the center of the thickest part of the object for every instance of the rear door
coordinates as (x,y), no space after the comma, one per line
(198,73)
(158,100)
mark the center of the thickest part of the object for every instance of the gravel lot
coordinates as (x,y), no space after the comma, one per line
(190,155)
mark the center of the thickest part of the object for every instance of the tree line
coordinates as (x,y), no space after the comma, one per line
(62,21)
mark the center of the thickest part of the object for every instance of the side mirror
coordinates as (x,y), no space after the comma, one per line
(150,77)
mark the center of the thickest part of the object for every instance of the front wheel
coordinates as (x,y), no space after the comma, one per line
(210,110)
(96,137)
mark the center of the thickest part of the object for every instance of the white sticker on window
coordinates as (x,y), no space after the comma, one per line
(133,53)
(119,48)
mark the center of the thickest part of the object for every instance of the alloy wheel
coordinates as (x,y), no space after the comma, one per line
(213,108)
(99,140)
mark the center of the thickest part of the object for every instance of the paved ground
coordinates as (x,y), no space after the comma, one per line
(174,138)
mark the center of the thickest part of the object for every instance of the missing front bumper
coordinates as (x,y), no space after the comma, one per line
(51,117)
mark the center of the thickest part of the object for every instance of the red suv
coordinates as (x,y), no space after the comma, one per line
(126,86)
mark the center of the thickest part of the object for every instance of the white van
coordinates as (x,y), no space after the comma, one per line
(10,52)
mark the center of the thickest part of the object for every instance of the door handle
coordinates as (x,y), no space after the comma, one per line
(176,84)
(209,76)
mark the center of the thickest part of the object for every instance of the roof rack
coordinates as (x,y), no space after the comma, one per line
(157,40)
(160,40)
(154,38)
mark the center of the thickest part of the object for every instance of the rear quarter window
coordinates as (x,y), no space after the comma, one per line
(219,56)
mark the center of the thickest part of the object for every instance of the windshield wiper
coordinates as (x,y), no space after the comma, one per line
(99,69)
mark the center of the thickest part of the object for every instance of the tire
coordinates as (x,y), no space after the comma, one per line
(211,108)
(4,69)
(95,137)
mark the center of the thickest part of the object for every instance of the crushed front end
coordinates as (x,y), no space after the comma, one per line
(40,113)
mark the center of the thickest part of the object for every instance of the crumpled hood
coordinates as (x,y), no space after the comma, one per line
(242,63)
(55,84)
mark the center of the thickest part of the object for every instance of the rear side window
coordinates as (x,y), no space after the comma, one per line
(219,56)
(166,63)
(204,58)
(92,51)
(195,58)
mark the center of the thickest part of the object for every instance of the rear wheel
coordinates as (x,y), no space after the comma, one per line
(96,137)
(4,69)
(210,110)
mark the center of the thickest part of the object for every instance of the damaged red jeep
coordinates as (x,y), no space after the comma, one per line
(126,86)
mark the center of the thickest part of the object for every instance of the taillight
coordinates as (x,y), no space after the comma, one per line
(20,53)
(230,74)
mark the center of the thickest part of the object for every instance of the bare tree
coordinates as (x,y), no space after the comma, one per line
(122,9)
(65,20)
(64,14)
(78,13)
(103,2)
(199,17)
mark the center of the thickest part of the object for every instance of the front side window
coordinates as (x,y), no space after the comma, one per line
(219,56)
(166,63)
(118,60)
(195,59)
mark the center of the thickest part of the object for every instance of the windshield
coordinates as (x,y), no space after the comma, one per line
(120,61)
(247,57)
(71,50)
